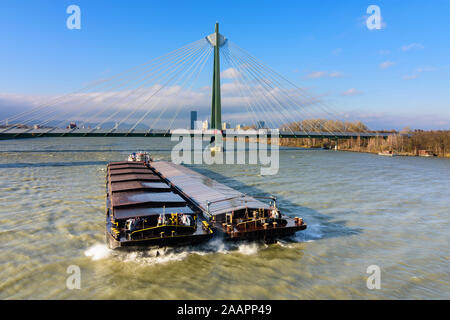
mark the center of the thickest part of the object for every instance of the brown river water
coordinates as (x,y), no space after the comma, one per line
(361,210)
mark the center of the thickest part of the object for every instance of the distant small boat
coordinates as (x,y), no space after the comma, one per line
(139,157)
(387,153)
(426,153)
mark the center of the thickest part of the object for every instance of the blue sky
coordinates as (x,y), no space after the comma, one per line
(392,77)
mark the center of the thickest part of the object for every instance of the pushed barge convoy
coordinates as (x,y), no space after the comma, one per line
(164,204)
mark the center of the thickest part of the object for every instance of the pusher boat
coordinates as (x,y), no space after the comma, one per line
(256,222)
(143,210)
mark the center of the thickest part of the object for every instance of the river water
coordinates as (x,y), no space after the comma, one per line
(361,210)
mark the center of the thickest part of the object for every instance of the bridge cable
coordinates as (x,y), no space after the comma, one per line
(273,72)
(249,75)
(161,70)
(87,87)
(150,76)
(196,61)
(247,84)
(273,87)
(176,70)
(200,69)
(132,91)
(249,107)
(325,107)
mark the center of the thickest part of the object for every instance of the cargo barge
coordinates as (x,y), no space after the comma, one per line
(143,210)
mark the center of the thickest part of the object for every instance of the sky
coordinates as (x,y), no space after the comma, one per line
(389,78)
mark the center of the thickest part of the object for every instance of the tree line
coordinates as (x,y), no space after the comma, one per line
(405,142)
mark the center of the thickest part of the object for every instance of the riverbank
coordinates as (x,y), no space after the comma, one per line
(418,143)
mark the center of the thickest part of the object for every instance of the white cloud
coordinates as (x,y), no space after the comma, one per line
(386,64)
(393,120)
(412,46)
(335,75)
(316,75)
(410,77)
(324,74)
(426,69)
(384,52)
(351,92)
(417,72)
(230,73)
(234,107)
(337,51)
(92,108)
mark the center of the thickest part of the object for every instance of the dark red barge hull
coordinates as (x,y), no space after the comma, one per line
(137,197)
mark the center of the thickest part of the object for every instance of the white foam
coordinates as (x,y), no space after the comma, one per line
(166,255)
(282,244)
(248,249)
(216,246)
(154,256)
(157,256)
(98,251)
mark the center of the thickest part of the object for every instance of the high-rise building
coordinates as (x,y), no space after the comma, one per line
(260,124)
(205,125)
(193,119)
(198,125)
(225,126)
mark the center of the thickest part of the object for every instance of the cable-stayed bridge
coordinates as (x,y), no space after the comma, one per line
(154,98)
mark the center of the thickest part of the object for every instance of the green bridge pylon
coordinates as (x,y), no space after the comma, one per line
(216,40)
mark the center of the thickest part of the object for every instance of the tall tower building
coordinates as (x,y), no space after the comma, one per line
(193,119)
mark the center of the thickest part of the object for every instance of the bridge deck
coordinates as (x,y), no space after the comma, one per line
(11,133)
